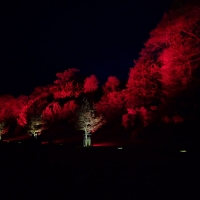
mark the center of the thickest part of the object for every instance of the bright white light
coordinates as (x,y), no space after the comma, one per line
(119,148)
(183,151)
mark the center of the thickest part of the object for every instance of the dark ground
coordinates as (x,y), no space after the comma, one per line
(134,172)
(148,168)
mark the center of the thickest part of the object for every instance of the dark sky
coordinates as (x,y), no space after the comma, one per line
(99,37)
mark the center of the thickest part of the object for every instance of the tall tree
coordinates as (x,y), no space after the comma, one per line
(111,104)
(88,121)
(111,85)
(143,87)
(90,84)
(52,112)
(66,85)
(90,87)
(175,46)
(7,113)
(31,114)
(55,112)
(66,76)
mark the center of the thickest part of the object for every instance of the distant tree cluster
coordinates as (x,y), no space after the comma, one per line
(162,87)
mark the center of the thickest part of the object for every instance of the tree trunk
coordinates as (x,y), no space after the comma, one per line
(86,140)
(35,135)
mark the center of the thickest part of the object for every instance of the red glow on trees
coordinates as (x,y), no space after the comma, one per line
(69,110)
(112,85)
(112,102)
(66,85)
(55,112)
(90,84)
(52,112)
(143,87)
(175,45)
(167,71)
(66,76)
(31,115)
(9,110)
(164,80)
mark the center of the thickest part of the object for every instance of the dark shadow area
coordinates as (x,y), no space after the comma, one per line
(139,171)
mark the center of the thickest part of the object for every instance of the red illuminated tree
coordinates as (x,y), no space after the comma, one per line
(66,76)
(40,90)
(111,104)
(68,111)
(143,87)
(90,87)
(8,112)
(55,112)
(90,84)
(173,53)
(31,115)
(128,120)
(112,84)
(180,61)
(67,84)
(52,112)
(175,46)
(69,89)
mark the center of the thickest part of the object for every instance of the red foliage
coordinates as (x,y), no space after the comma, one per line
(33,109)
(168,67)
(66,85)
(5,109)
(67,75)
(143,85)
(54,112)
(22,118)
(69,110)
(10,109)
(68,89)
(111,105)
(112,102)
(128,120)
(175,46)
(40,90)
(112,84)
(91,84)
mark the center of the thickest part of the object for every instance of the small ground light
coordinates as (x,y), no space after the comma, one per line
(183,151)
(119,148)
(19,142)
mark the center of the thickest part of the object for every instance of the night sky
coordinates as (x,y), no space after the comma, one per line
(37,40)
